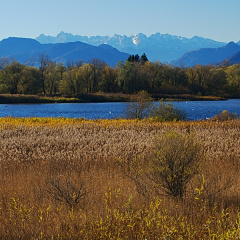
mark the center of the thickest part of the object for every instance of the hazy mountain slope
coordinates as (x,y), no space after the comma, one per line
(234,59)
(206,56)
(23,49)
(162,47)
(14,45)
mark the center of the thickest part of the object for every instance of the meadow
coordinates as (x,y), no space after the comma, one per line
(66,178)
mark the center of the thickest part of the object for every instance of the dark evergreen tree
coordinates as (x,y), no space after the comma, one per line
(133,58)
(129,58)
(143,59)
(136,58)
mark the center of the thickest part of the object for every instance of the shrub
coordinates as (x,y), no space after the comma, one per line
(67,191)
(140,107)
(225,115)
(167,112)
(175,162)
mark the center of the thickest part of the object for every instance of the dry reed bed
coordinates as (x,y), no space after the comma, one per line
(35,151)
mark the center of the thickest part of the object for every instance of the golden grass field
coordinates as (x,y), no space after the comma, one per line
(61,179)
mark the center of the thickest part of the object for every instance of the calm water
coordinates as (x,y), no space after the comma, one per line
(195,110)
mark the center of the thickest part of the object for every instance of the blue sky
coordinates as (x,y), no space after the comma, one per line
(215,19)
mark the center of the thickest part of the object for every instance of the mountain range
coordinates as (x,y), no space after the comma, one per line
(158,47)
(26,50)
(229,53)
(65,47)
(234,59)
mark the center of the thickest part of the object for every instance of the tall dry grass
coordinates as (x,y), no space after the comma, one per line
(35,153)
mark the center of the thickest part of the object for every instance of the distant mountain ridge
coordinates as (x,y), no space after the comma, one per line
(162,47)
(25,49)
(28,50)
(212,56)
(234,59)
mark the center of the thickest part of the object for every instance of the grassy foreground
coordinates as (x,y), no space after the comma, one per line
(61,179)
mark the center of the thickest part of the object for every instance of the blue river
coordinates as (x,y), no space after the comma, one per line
(195,110)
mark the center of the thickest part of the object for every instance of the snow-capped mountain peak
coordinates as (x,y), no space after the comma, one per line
(158,46)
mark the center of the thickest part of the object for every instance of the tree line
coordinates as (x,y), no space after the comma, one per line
(134,75)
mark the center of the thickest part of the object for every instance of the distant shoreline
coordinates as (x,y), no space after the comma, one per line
(97,98)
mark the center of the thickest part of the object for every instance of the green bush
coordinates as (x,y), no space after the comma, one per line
(142,106)
(174,163)
(167,112)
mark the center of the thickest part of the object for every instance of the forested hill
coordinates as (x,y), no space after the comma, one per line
(27,51)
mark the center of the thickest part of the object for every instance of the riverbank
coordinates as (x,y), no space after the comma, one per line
(97,97)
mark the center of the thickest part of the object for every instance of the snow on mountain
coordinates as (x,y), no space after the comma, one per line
(158,47)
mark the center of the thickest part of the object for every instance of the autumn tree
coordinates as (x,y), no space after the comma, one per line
(154,72)
(70,82)
(217,82)
(233,79)
(4,61)
(198,77)
(44,61)
(87,74)
(52,77)
(109,80)
(97,67)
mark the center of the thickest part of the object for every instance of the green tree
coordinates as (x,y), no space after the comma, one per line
(11,77)
(127,77)
(30,82)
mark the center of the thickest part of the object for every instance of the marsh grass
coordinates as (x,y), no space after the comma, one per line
(21,98)
(35,152)
(80,98)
